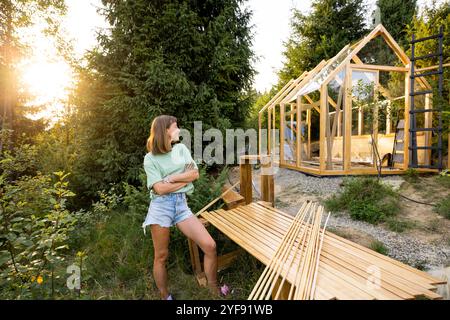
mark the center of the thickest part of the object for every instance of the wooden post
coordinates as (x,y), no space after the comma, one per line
(323,123)
(308,116)
(329,159)
(407,118)
(259,133)
(299,131)
(428,124)
(388,118)
(267,183)
(274,125)
(375,127)
(269,128)
(360,121)
(339,126)
(282,108)
(347,118)
(246,179)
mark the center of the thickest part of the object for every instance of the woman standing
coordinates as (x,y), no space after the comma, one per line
(170,171)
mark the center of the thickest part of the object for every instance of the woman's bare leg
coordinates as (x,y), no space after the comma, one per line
(160,237)
(196,231)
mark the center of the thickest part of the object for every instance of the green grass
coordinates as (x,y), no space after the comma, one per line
(412,175)
(443,180)
(119,263)
(397,225)
(379,247)
(366,199)
(443,207)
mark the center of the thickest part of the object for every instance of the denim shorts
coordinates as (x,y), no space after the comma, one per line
(167,210)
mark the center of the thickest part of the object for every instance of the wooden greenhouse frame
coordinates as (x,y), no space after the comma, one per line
(339,146)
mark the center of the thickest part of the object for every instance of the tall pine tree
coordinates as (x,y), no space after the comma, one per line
(322,34)
(187,58)
(395,15)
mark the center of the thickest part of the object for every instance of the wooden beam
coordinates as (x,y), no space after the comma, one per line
(375,122)
(282,107)
(428,124)
(274,137)
(246,186)
(299,133)
(360,121)
(356,49)
(269,129)
(276,95)
(407,121)
(267,183)
(323,121)
(388,118)
(347,118)
(308,116)
(432,67)
(311,74)
(394,45)
(378,67)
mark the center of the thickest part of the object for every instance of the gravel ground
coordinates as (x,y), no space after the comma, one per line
(400,247)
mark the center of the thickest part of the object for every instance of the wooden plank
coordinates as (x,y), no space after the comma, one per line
(299,133)
(407,120)
(363,66)
(231,199)
(282,108)
(287,217)
(251,230)
(265,222)
(348,119)
(364,251)
(248,231)
(305,80)
(431,68)
(323,122)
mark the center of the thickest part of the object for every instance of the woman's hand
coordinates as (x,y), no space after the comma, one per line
(189,174)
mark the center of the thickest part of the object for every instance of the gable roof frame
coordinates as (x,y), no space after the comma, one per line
(377,31)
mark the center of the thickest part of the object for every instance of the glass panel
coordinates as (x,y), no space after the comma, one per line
(290,135)
(364,115)
(316,82)
(310,130)
(378,52)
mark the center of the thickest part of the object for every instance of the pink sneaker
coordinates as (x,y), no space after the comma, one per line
(224,290)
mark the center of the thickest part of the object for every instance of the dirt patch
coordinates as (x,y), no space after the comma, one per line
(426,225)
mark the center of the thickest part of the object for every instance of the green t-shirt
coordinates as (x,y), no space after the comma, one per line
(160,166)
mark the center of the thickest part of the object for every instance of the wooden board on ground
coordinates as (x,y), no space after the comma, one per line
(346,270)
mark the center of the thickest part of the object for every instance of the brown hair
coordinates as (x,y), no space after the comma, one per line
(159,141)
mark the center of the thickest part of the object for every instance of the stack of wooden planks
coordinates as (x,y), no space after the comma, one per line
(305,228)
(346,270)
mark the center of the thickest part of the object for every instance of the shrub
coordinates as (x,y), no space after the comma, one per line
(443,207)
(397,225)
(365,199)
(34,234)
(379,247)
(412,175)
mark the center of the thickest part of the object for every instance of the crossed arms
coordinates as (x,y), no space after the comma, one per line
(176,181)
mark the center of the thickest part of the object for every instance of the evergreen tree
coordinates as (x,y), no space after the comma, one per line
(395,16)
(322,34)
(15,15)
(191,59)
